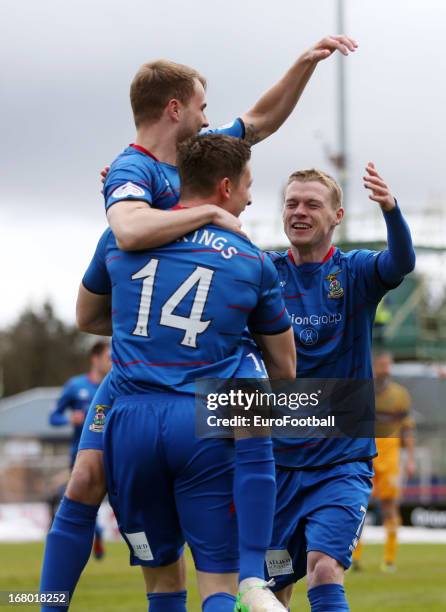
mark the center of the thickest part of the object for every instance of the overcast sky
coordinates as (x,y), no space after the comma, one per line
(66,69)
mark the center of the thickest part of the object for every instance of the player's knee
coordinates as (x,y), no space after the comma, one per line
(323,569)
(167,579)
(167,583)
(210,584)
(87,481)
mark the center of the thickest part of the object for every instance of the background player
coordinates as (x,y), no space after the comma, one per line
(179,315)
(394,428)
(323,485)
(168,105)
(76,397)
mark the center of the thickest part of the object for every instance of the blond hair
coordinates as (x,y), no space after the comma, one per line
(156,83)
(312,174)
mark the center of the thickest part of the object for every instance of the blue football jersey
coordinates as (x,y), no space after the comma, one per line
(179,311)
(137,175)
(77,394)
(332,307)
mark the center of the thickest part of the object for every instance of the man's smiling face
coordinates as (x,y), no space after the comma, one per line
(309,213)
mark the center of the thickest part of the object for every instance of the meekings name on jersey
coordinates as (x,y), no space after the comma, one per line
(211,239)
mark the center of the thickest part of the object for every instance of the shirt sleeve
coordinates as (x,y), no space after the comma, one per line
(57,417)
(96,278)
(128,182)
(363,265)
(270,316)
(379,271)
(399,258)
(236,129)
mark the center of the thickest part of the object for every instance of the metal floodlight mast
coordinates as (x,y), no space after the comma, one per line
(342,157)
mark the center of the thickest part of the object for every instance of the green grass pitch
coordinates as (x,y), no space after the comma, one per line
(111,585)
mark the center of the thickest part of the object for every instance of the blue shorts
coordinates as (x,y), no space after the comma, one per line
(166,486)
(251,366)
(321,510)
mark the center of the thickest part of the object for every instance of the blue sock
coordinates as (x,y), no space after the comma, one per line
(328,598)
(68,548)
(219,602)
(167,602)
(255,501)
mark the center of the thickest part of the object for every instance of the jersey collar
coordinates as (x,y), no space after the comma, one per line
(328,256)
(143,150)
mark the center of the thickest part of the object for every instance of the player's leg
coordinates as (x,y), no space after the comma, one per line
(217,591)
(87,480)
(166,586)
(286,558)
(141,493)
(391,520)
(325,581)
(203,494)
(208,520)
(388,494)
(284,595)
(70,539)
(336,505)
(254,488)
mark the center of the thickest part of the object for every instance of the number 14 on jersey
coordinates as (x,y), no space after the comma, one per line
(192,325)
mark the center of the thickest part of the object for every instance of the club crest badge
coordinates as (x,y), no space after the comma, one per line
(335,291)
(99,418)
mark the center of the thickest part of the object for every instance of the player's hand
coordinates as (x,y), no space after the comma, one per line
(380,191)
(225,219)
(104,173)
(77,417)
(411,468)
(328,45)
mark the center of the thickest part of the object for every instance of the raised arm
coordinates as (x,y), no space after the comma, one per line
(274,107)
(399,257)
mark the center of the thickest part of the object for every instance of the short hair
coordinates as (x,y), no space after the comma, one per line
(156,83)
(98,348)
(312,174)
(203,161)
